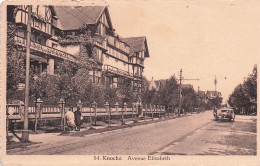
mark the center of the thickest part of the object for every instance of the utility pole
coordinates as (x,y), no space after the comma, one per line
(25,132)
(215,82)
(180,93)
(180,89)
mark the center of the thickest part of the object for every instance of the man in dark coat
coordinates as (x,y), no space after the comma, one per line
(77,115)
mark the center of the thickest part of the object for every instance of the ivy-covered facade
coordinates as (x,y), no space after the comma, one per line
(61,33)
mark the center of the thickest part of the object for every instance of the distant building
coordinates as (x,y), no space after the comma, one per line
(160,83)
(153,86)
(213,94)
(187,86)
(202,96)
(157,84)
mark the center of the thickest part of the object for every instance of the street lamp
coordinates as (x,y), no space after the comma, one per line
(141,109)
(94,105)
(61,105)
(151,110)
(38,103)
(124,109)
(133,109)
(116,105)
(25,132)
(108,111)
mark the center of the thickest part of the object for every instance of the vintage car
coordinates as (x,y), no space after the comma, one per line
(224,113)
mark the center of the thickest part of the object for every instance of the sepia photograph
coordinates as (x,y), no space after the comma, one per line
(146,81)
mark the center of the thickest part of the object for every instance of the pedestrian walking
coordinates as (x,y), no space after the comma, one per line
(77,115)
(70,119)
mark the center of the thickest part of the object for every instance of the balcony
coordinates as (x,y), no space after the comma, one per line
(139,62)
(45,49)
(137,76)
(99,41)
(117,71)
(102,46)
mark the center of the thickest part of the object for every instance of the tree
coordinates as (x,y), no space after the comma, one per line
(111,95)
(238,98)
(244,96)
(125,92)
(215,102)
(250,87)
(15,65)
(170,93)
(189,99)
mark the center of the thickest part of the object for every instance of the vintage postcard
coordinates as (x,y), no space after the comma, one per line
(129,82)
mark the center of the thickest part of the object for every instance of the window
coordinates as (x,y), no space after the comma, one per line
(54,45)
(39,41)
(134,59)
(37,24)
(21,33)
(33,37)
(115,82)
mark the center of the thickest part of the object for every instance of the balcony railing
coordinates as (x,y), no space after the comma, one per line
(45,49)
(117,71)
(137,75)
(139,62)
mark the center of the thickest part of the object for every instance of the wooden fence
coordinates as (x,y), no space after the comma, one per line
(16,112)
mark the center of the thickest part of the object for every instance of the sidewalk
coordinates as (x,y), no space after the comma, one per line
(51,139)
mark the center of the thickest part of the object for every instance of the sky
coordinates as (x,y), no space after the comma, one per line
(203,38)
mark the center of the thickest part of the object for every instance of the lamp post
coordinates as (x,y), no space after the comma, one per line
(145,110)
(25,132)
(7,123)
(124,109)
(141,109)
(90,118)
(38,103)
(108,112)
(133,106)
(151,109)
(117,106)
(160,109)
(163,111)
(94,105)
(154,108)
(35,77)
(61,105)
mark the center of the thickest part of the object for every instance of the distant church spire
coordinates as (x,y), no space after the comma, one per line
(153,85)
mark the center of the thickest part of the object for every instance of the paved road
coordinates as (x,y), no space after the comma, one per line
(193,134)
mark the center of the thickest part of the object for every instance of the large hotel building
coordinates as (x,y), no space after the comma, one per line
(114,57)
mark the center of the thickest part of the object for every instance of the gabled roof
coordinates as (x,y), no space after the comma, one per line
(160,83)
(73,17)
(136,44)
